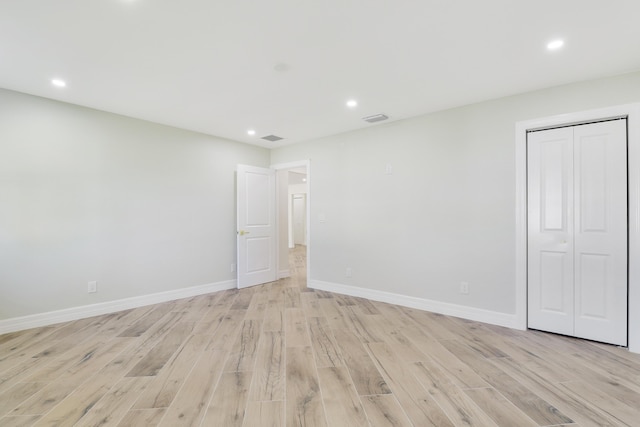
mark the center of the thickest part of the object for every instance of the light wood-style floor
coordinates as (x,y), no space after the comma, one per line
(283,355)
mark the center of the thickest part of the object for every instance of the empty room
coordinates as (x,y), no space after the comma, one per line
(337,213)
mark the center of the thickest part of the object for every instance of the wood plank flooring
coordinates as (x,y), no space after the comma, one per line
(281,354)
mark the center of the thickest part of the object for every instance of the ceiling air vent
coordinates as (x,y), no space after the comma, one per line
(272,138)
(375,118)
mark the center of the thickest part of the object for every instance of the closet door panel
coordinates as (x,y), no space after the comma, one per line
(550,225)
(600,200)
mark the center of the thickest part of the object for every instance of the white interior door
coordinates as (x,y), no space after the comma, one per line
(299,209)
(256,233)
(577,242)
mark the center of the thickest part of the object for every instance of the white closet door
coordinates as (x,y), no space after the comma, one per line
(577,207)
(600,153)
(550,222)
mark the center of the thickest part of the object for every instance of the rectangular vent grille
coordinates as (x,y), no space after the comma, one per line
(272,138)
(375,118)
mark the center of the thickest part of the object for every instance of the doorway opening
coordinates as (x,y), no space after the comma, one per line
(293,224)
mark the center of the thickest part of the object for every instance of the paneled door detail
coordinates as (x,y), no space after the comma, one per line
(256,261)
(600,158)
(577,231)
(550,219)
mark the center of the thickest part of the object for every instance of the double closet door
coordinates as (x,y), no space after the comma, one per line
(577,231)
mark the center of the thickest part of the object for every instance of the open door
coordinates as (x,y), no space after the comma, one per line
(256,232)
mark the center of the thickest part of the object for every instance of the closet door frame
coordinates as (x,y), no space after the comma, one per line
(632,113)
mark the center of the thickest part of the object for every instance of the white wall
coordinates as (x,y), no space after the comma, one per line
(447,213)
(143,208)
(297,189)
(87,195)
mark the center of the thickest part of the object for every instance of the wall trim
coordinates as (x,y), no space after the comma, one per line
(284,273)
(632,112)
(448,309)
(81,312)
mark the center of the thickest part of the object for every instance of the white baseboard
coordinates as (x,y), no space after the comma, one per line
(462,311)
(75,313)
(284,273)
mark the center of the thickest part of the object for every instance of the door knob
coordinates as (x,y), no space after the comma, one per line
(242,232)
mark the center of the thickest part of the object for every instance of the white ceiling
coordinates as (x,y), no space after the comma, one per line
(287,67)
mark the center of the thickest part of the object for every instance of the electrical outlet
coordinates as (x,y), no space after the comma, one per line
(232,268)
(348,272)
(389,169)
(92,287)
(464,288)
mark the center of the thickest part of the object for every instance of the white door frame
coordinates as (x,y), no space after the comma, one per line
(293,165)
(632,112)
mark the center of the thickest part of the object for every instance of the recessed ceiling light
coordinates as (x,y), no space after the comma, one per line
(304,179)
(555,44)
(58,82)
(352,103)
(251,132)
